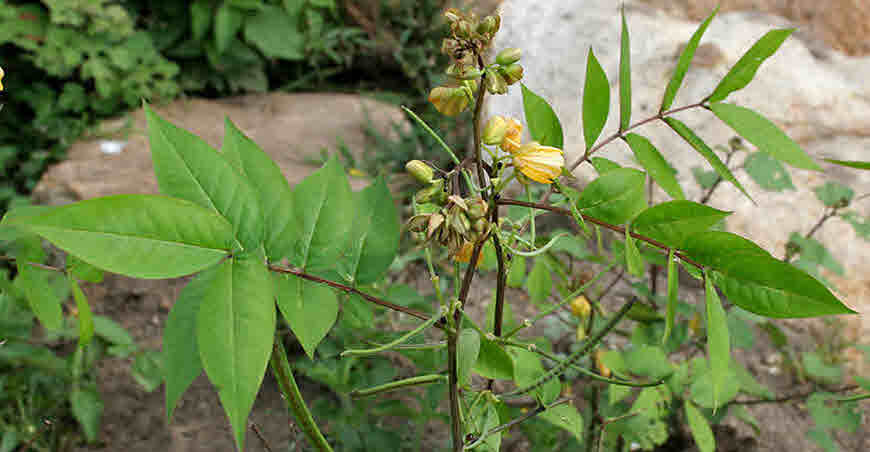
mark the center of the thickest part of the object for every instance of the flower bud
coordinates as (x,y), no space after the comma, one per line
(603,370)
(580,307)
(489,25)
(434,193)
(421,171)
(418,223)
(495,129)
(477,208)
(508,56)
(512,73)
(449,100)
(463,72)
(435,221)
(463,29)
(452,15)
(495,83)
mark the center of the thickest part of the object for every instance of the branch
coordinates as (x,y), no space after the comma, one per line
(348,289)
(619,229)
(800,395)
(622,133)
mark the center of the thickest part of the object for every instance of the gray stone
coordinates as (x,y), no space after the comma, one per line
(819,99)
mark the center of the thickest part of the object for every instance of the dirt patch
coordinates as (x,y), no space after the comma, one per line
(843,24)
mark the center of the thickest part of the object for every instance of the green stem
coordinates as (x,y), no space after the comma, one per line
(394,385)
(389,345)
(287,384)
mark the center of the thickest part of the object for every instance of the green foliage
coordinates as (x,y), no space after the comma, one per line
(544,125)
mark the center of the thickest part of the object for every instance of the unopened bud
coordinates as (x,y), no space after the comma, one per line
(603,370)
(463,72)
(452,15)
(418,223)
(449,100)
(512,73)
(495,83)
(421,171)
(508,56)
(477,208)
(489,25)
(495,129)
(580,307)
(434,193)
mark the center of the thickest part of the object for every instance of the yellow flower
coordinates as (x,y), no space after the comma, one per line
(512,136)
(539,163)
(1,78)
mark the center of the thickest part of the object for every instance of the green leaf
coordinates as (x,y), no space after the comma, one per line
(111,331)
(83,270)
(493,362)
(716,248)
(200,18)
(767,172)
(718,342)
(648,361)
(821,437)
(740,412)
(141,236)
(227,22)
(701,389)
(748,383)
(309,308)
(834,194)
(358,312)
(276,34)
(705,179)
(468,347)
(323,202)
(565,416)
(655,164)
(147,370)
(180,350)
(811,250)
(272,189)
(742,335)
(624,76)
(374,237)
(544,125)
(85,317)
(701,431)
(859,224)
(45,304)
(517,272)
(615,197)
(528,369)
(850,163)
(633,260)
(235,332)
(701,147)
(828,413)
(540,282)
(765,135)
(673,287)
(596,100)
(819,370)
(188,168)
(744,70)
(673,222)
(603,165)
(87,409)
(684,62)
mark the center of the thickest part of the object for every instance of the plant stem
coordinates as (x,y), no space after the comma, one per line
(604,224)
(540,409)
(348,289)
(800,395)
(619,134)
(295,403)
(453,381)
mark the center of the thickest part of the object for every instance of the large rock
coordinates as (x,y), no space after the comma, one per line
(819,100)
(292,128)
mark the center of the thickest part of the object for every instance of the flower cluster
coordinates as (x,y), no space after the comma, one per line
(468,40)
(537,162)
